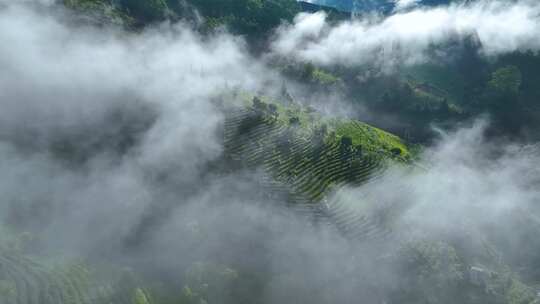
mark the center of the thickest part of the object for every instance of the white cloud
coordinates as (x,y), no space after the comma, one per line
(70,86)
(500,27)
(59,79)
(463,183)
(405,4)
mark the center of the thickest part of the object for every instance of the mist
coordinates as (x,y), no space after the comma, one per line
(410,36)
(97,123)
(108,140)
(462,178)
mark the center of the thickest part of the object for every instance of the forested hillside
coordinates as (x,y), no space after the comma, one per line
(268,151)
(250,17)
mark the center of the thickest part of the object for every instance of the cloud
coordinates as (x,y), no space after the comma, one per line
(131,113)
(108,140)
(405,4)
(406,37)
(463,187)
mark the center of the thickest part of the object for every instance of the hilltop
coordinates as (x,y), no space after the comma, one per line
(153,182)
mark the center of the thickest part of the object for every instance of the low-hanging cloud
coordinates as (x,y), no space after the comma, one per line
(407,36)
(405,4)
(464,187)
(133,111)
(69,89)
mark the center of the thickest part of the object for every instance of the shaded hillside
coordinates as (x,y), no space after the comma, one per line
(136,176)
(246,17)
(26,280)
(307,151)
(307,158)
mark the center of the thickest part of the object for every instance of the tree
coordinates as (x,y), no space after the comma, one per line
(396,151)
(307,71)
(286,95)
(258,104)
(140,297)
(502,98)
(273,110)
(252,17)
(146,10)
(345,148)
(346,142)
(506,80)
(294,121)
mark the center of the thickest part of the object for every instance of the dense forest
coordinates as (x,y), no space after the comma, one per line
(455,87)
(269,151)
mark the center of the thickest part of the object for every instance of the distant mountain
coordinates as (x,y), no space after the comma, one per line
(332,11)
(384,6)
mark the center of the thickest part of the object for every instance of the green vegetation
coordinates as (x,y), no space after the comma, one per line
(251,17)
(309,158)
(104,10)
(28,279)
(8,289)
(145,10)
(506,80)
(310,153)
(449,90)
(316,77)
(441,274)
(371,139)
(439,271)
(208,283)
(246,17)
(443,92)
(448,82)
(140,297)
(324,78)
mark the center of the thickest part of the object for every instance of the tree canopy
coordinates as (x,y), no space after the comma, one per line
(249,17)
(506,80)
(146,10)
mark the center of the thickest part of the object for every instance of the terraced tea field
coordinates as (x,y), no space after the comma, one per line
(301,156)
(25,281)
(313,158)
